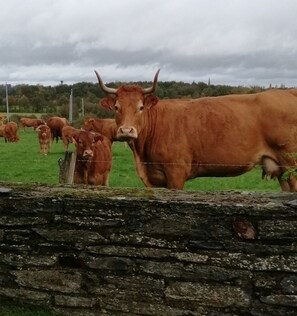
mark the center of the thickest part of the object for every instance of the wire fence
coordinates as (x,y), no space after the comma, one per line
(22,162)
(42,159)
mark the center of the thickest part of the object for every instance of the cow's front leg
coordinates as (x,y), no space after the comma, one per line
(175,179)
(86,176)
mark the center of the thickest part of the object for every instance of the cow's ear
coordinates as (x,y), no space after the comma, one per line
(75,137)
(151,100)
(108,102)
(98,137)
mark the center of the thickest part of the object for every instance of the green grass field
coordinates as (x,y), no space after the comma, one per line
(22,162)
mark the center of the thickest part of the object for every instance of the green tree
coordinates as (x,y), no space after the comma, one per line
(38,104)
(24,104)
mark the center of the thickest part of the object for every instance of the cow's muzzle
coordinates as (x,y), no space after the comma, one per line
(88,154)
(126,133)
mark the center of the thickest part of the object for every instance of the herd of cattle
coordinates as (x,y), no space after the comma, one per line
(176,140)
(92,142)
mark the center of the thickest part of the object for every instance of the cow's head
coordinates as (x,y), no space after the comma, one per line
(13,139)
(40,122)
(130,103)
(85,141)
(43,131)
(89,125)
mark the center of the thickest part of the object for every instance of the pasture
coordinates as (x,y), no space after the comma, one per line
(22,162)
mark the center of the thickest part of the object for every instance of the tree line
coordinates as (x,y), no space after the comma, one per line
(54,100)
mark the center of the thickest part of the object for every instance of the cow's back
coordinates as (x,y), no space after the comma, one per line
(208,124)
(56,122)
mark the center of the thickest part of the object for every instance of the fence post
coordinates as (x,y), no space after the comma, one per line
(67,166)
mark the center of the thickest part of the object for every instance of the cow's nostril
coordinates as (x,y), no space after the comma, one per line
(126,133)
(88,153)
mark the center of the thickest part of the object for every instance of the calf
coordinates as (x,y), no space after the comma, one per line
(10,132)
(44,139)
(93,158)
(67,135)
(106,127)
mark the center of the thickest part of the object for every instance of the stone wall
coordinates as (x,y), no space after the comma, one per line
(148,252)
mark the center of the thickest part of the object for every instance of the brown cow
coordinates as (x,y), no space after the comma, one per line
(106,127)
(30,122)
(44,138)
(56,124)
(2,131)
(2,120)
(10,132)
(215,136)
(67,135)
(93,158)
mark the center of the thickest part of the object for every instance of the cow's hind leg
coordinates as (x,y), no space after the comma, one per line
(292,183)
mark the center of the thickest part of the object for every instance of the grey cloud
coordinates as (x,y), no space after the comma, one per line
(230,41)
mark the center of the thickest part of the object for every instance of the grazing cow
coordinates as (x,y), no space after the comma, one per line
(2,119)
(106,127)
(67,135)
(212,137)
(93,158)
(30,122)
(10,132)
(56,124)
(2,131)
(44,139)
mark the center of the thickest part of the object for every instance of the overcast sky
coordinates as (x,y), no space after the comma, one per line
(235,42)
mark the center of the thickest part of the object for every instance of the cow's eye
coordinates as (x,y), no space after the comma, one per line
(116,107)
(141,108)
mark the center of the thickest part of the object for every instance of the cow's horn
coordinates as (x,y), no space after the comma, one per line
(154,86)
(103,86)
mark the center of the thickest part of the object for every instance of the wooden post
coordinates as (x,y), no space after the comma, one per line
(70,106)
(7,104)
(67,167)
